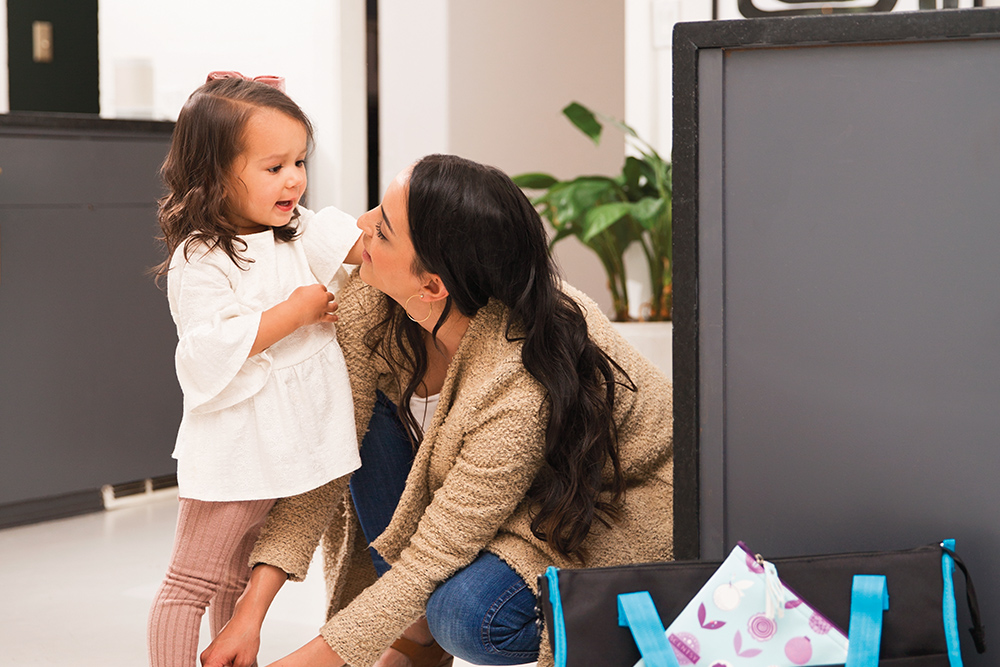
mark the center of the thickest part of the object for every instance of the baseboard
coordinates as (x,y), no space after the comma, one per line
(129,494)
(51,507)
(110,496)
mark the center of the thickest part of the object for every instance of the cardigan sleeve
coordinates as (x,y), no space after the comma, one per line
(294,527)
(479,493)
(215,334)
(296,524)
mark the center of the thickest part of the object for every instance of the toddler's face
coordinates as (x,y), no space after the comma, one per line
(269,177)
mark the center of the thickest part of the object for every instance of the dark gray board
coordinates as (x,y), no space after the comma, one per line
(88,394)
(837,312)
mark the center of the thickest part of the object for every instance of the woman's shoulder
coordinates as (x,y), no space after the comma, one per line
(591,311)
(356,296)
(489,359)
(360,308)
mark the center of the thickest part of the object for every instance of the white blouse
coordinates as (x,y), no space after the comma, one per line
(281,422)
(423,409)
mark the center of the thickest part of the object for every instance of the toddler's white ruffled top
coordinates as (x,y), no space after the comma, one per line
(278,423)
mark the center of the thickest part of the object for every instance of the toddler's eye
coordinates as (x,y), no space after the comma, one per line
(275,169)
(300,163)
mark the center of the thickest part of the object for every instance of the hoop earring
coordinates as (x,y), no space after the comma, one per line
(407,311)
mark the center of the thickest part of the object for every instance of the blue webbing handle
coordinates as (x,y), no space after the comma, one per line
(869,598)
(949,608)
(637,612)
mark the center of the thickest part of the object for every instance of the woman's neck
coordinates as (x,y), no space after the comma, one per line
(441,350)
(449,336)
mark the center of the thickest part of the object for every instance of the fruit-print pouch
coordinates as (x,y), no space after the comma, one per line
(744,616)
(581,609)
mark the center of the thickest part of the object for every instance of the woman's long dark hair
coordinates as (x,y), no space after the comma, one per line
(207,139)
(475,229)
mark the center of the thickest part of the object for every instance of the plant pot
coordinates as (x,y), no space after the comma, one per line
(653,340)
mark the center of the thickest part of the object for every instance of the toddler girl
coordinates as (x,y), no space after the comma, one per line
(267,404)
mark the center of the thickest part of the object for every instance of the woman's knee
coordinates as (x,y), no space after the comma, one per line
(485,614)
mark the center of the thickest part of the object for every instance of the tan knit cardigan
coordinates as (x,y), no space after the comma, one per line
(466,491)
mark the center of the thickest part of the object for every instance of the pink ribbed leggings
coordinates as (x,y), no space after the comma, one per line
(208,566)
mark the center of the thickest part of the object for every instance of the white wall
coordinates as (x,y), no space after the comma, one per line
(177,43)
(413,82)
(488,81)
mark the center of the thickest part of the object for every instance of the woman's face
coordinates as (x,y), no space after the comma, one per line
(388,258)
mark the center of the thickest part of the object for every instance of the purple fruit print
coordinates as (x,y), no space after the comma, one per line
(721,663)
(799,650)
(710,625)
(761,627)
(738,645)
(685,647)
(818,624)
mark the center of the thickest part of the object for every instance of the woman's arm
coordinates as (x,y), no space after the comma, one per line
(317,653)
(500,452)
(239,641)
(283,551)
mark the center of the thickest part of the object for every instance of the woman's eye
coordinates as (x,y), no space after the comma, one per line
(378,230)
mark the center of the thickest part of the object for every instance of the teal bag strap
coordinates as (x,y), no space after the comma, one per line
(949,608)
(869,598)
(558,621)
(637,612)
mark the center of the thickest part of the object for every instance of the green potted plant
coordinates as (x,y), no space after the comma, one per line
(608,214)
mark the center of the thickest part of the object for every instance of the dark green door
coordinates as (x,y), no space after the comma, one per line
(64,80)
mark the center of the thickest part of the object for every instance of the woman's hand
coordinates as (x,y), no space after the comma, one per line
(317,653)
(238,642)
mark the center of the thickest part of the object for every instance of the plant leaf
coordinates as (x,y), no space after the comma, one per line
(582,194)
(584,119)
(535,181)
(632,171)
(600,218)
(648,212)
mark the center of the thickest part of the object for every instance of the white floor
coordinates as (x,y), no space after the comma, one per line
(76,592)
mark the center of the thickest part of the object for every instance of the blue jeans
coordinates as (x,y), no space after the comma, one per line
(483,614)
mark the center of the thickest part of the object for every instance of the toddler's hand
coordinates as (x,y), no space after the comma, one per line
(313,303)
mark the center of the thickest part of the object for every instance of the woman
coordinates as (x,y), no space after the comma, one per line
(550,443)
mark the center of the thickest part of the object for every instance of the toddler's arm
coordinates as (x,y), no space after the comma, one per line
(308,304)
(330,238)
(354,256)
(238,643)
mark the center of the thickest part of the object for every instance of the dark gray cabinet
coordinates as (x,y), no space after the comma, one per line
(88,394)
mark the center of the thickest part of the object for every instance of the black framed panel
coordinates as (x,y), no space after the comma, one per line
(836,317)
